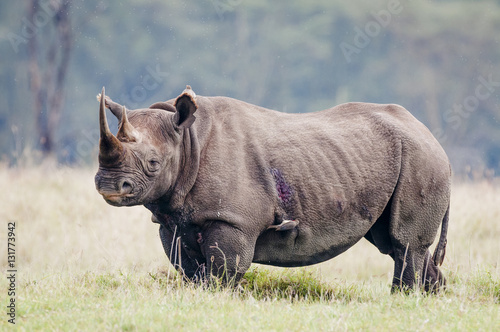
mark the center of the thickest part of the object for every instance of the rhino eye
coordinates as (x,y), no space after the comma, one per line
(153,165)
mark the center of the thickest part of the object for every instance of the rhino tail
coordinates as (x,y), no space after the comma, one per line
(440,250)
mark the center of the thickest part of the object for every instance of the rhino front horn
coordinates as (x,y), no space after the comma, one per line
(110,148)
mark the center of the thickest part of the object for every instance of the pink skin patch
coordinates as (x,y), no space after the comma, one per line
(199,238)
(285,191)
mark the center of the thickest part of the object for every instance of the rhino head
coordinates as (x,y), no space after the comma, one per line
(141,163)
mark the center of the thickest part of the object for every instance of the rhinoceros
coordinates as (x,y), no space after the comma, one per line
(232,183)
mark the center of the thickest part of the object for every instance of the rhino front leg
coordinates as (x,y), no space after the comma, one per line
(228,251)
(186,260)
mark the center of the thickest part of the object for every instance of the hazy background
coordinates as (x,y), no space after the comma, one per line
(439,59)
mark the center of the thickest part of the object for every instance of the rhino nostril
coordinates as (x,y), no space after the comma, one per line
(126,187)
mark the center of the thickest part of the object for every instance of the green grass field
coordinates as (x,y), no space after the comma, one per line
(84,265)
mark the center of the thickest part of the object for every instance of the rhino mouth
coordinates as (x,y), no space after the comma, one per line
(118,199)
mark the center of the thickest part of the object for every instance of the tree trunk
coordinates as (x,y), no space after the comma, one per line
(49,53)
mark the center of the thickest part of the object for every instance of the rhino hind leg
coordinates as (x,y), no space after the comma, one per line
(433,279)
(417,207)
(408,264)
(414,268)
(412,265)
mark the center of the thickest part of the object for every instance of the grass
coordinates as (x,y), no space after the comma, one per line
(84,265)
(143,301)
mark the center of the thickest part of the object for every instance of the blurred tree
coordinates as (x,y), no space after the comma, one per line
(49,55)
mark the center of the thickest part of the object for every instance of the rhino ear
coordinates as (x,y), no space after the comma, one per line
(115,108)
(185,106)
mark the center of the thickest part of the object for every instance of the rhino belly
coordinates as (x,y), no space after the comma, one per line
(303,246)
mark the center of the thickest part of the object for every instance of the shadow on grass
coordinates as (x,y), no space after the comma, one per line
(299,285)
(271,285)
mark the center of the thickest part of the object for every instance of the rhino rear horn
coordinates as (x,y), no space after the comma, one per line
(110,148)
(126,132)
(185,105)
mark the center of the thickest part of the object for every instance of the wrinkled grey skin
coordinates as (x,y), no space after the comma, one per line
(218,174)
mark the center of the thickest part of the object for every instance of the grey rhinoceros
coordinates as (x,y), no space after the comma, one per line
(232,183)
